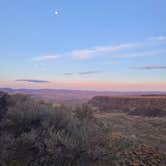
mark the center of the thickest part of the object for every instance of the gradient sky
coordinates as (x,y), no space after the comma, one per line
(101,45)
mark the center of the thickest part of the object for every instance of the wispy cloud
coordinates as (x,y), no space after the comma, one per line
(68,74)
(88,53)
(158,38)
(89,72)
(32,81)
(123,50)
(142,53)
(147,47)
(150,68)
(46,57)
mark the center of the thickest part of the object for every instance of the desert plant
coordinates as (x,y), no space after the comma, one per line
(35,133)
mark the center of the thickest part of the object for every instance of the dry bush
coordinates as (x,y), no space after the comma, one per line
(35,133)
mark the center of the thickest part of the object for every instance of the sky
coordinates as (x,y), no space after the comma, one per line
(94,45)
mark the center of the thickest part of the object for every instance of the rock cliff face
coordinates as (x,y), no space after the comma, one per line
(133,105)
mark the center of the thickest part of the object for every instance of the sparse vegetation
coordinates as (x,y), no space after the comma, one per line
(36,133)
(150,106)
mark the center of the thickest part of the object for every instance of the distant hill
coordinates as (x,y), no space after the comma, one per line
(72,96)
(147,105)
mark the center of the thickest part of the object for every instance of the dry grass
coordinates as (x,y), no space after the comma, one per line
(38,133)
(150,131)
(136,105)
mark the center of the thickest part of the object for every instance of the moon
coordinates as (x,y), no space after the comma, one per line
(56,13)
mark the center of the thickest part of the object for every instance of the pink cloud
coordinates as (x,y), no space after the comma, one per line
(150,68)
(112,86)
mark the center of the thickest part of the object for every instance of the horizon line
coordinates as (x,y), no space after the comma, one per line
(68,89)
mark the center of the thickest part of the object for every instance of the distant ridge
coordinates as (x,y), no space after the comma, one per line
(74,96)
(87,91)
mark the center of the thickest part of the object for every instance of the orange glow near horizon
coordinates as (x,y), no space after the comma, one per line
(101,86)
